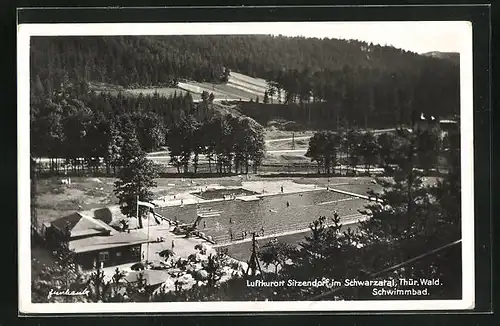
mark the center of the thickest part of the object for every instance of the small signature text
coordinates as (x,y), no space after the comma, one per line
(67,292)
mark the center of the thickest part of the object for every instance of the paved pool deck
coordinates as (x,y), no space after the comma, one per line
(260,188)
(183,247)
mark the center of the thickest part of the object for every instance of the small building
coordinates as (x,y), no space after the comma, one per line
(95,242)
(424,123)
(447,125)
(440,127)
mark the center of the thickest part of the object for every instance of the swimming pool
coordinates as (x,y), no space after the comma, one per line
(270,213)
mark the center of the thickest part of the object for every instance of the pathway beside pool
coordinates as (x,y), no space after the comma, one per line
(347,220)
(183,246)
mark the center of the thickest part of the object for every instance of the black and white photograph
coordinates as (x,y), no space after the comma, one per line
(268,166)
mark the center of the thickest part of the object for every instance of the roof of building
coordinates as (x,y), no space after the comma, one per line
(108,214)
(101,242)
(81,225)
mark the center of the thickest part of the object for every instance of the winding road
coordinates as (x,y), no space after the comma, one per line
(376,131)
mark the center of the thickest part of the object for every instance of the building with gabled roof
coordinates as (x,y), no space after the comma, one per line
(95,242)
(81,226)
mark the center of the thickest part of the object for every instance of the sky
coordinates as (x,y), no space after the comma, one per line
(419,37)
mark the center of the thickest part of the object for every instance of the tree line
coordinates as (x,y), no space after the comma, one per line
(331,150)
(359,96)
(86,129)
(227,141)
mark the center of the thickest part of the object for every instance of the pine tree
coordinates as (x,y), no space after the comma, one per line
(114,147)
(136,177)
(266,97)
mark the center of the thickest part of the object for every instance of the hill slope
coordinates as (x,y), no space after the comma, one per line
(151,60)
(358,81)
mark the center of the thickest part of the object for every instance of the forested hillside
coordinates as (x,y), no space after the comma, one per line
(152,59)
(357,79)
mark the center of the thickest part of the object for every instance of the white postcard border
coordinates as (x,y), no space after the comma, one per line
(25,31)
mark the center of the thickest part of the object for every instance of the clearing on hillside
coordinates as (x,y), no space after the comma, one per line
(240,87)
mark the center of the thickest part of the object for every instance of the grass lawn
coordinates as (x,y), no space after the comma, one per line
(162,91)
(56,200)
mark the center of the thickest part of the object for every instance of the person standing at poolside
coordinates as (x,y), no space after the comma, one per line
(281,188)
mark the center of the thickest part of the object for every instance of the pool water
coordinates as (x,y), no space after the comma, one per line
(270,213)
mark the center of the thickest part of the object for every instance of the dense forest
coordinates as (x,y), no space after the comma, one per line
(148,60)
(358,80)
(88,130)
